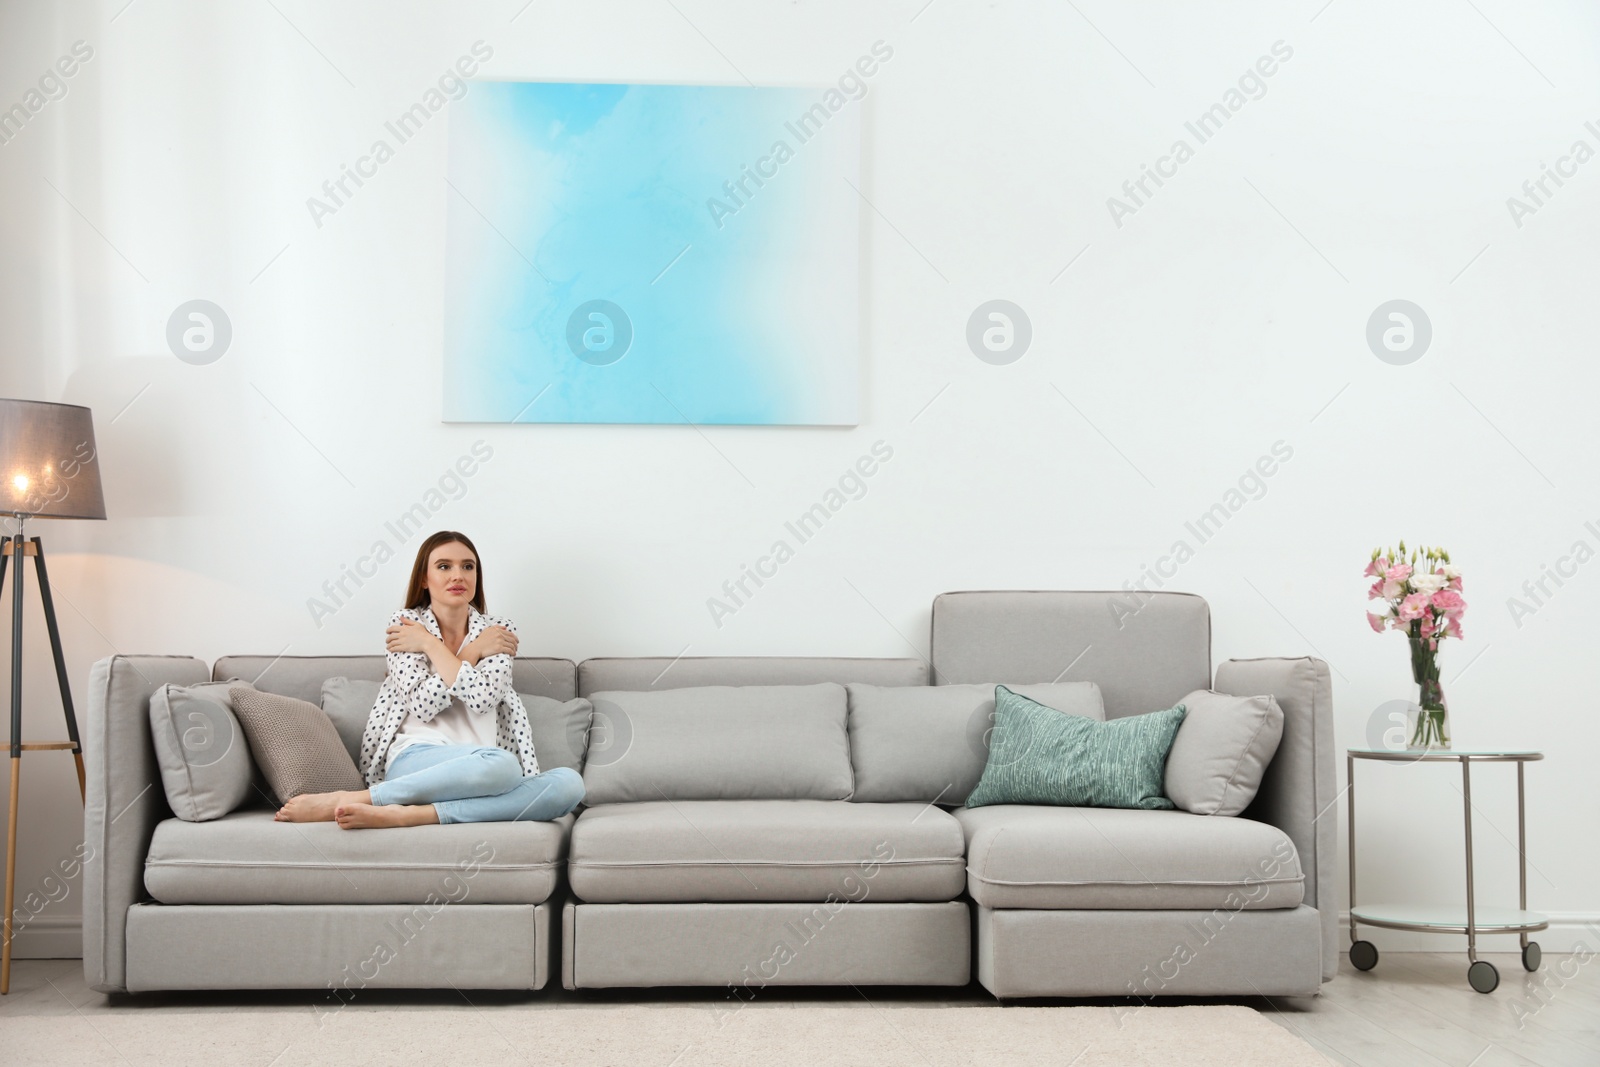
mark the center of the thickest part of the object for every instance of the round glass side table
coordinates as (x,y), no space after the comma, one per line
(1481,974)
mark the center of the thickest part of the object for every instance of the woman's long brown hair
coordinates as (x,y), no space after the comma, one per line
(417,592)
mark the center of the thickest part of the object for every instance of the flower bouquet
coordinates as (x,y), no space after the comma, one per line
(1420,595)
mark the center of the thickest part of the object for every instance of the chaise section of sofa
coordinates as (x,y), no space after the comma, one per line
(245,902)
(1097,902)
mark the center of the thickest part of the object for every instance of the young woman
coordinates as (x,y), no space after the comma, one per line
(448,740)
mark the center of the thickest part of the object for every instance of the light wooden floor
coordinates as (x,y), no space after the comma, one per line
(1414,1010)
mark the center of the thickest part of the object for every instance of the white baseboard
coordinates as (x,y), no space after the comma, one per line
(49,937)
(1567,930)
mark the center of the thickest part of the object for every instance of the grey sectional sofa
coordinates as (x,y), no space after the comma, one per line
(747,836)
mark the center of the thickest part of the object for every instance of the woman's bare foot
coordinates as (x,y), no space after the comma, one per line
(358,816)
(318,807)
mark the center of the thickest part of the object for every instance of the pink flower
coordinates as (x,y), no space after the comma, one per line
(1376,592)
(1413,607)
(1453,627)
(1398,573)
(1449,602)
(1377,622)
(1455,583)
(1393,589)
(1376,567)
(1425,627)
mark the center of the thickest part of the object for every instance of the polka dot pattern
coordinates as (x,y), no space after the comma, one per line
(413,688)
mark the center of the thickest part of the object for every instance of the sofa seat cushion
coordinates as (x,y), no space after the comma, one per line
(765,850)
(248,858)
(1025,856)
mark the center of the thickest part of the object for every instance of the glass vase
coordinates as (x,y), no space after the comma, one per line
(1432,727)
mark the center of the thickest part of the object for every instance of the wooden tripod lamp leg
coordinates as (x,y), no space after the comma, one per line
(16,547)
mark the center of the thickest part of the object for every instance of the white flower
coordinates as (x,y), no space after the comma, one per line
(1429,583)
(1449,570)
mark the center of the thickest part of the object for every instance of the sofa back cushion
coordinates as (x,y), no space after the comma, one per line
(560,728)
(751,742)
(1144,650)
(930,743)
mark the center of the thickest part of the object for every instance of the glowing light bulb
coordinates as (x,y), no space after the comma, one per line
(21,482)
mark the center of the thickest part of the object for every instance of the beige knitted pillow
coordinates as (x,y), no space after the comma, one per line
(295,744)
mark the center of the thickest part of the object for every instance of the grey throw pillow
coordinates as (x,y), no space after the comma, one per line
(295,744)
(200,749)
(1222,751)
(560,728)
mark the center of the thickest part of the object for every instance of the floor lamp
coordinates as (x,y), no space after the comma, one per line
(49,470)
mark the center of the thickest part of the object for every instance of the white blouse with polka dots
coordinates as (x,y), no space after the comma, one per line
(413,687)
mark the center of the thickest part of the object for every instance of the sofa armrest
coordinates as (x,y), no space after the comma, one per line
(123,801)
(1299,789)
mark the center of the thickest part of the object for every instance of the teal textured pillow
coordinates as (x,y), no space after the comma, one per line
(1038,755)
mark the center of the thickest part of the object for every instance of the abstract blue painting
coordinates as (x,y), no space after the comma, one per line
(652,254)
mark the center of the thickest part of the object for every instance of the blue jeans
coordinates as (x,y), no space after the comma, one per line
(467,783)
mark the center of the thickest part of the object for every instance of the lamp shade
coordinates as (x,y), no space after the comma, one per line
(48,464)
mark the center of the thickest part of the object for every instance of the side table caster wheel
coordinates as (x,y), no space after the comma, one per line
(1531,956)
(1483,977)
(1363,955)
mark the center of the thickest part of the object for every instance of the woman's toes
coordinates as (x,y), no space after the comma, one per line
(352,816)
(310,807)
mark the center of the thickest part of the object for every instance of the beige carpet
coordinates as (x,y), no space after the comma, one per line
(658,1036)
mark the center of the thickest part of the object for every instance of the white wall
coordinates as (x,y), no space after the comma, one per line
(1226,314)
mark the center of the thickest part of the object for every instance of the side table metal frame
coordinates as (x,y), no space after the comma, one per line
(1481,974)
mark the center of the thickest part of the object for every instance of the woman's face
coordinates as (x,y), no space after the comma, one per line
(452,575)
